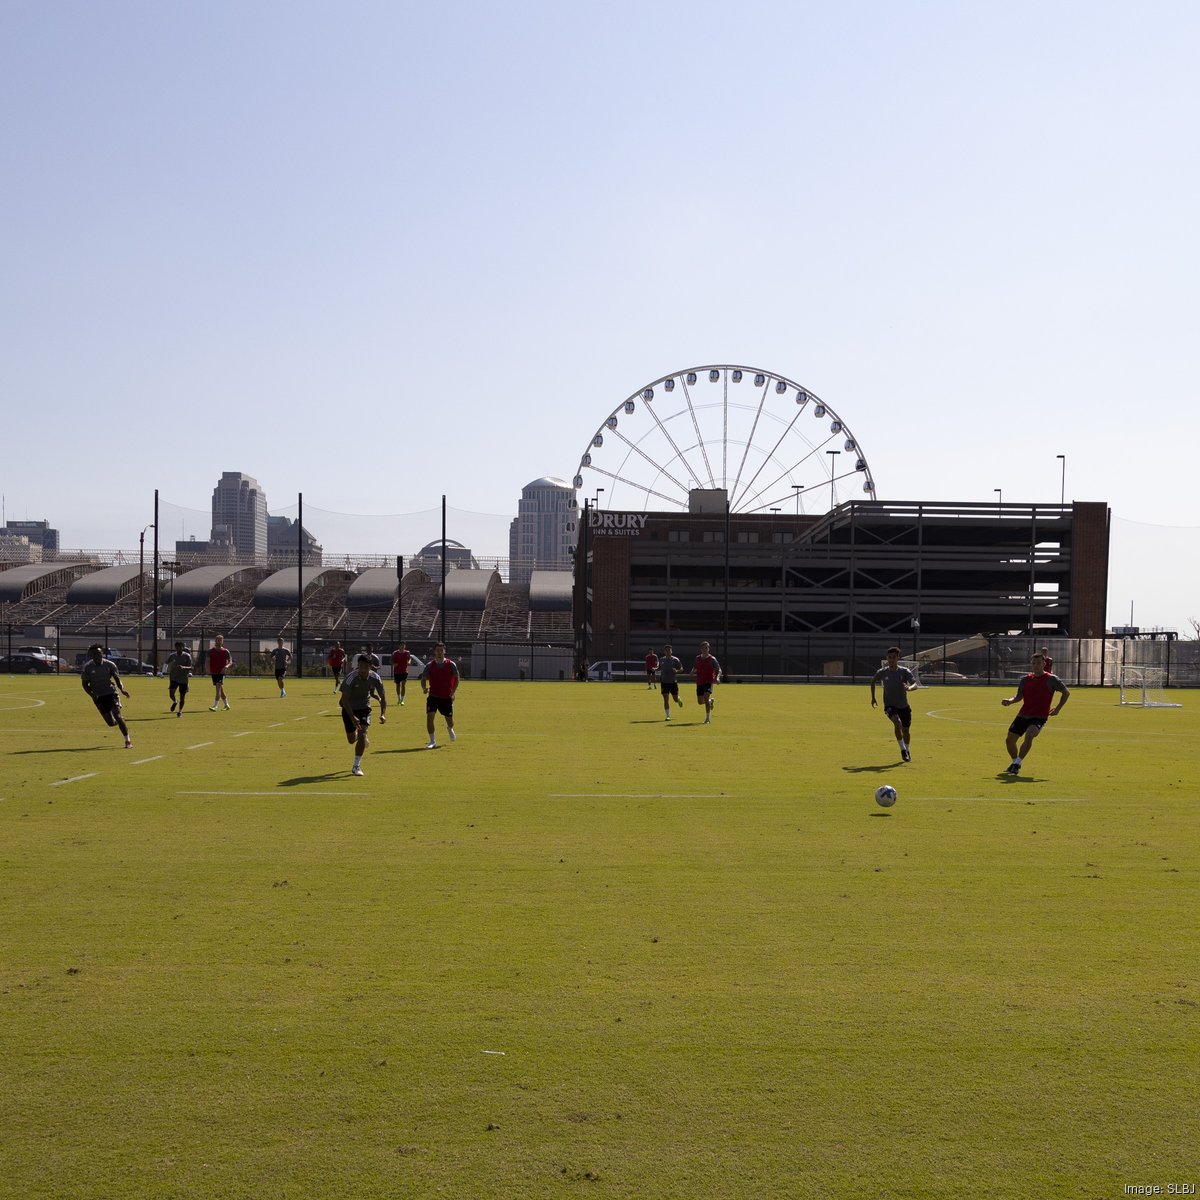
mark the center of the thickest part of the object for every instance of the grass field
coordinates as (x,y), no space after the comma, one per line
(586,953)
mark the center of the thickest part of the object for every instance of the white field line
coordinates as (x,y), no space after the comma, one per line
(999,799)
(33,703)
(74,779)
(244,733)
(198,746)
(138,762)
(1004,719)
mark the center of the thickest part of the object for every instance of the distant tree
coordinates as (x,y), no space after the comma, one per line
(1194,622)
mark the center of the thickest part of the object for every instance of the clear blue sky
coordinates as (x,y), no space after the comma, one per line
(376,253)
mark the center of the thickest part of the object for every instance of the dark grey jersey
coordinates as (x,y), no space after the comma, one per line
(99,678)
(358,691)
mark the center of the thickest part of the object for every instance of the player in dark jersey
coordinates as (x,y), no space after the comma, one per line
(439,681)
(356,691)
(280,657)
(1035,692)
(102,681)
(668,669)
(897,682)
(179,667)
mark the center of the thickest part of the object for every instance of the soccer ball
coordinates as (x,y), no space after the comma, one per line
(885,796)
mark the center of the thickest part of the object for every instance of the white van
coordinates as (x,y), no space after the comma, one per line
(615,668)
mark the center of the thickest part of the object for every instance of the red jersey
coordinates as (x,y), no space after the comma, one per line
(443,678)
(651,661)
(400,661)
(218,659)
(1037,694)
(337,656)
(707,669)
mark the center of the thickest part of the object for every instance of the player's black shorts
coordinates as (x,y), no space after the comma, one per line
(280,676)
(905,713)
(670,689)
(109,703)
(440,704)
(218,680)
(363,714)
(703,690)
(1021,724)
(181,687)
(402,676)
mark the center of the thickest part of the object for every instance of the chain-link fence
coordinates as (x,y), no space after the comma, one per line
(767,657)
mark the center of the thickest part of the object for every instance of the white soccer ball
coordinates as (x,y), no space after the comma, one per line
(885,795)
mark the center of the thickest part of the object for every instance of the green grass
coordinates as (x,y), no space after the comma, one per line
(585,953)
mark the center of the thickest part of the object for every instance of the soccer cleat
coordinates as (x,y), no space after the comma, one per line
(708,720)
(356,771)
(668,716)
(128,742)
(678,701)
(226,705)
(1014,768)
(431,745)
(282,693)
(453,736)
(213,709)
(179,713)
(401,701)
(904,754)
(173,704)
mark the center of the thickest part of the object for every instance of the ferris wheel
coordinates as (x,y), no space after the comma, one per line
(768,441)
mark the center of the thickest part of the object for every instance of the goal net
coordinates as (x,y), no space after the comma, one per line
(1144,687)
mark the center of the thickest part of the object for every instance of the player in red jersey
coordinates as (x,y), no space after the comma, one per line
(219,661)
(1048,662)
(651,668)
(439,681)
(1035,693)
(400,660)
(708,675)
(336,660)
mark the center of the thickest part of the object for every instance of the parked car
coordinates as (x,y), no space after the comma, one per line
(614,668)
(130,666)
(25,664)
(42,652)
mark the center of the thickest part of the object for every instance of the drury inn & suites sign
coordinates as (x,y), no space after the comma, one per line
(616,524)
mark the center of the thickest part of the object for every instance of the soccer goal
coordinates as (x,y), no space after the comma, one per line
(1144,687)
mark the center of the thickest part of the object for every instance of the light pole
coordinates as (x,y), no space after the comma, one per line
(596,502)
(141,586)
(832,474)
(796,488)
(999,499)
(1063,459)
(173,567)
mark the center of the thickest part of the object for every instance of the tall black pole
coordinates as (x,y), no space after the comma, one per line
(400,598)
(443,614)
(154,597)
(300,585)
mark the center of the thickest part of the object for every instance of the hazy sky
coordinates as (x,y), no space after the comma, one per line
(376,253)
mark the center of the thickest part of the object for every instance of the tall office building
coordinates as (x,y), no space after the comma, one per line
(239,516)
(544,531)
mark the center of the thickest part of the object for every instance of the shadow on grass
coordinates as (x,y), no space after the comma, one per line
(303,779)
(1005,777)
(62,750)
(874,771)
(408,750)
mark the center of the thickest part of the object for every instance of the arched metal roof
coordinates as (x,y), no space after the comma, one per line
(19,583)
(376,587)
(280,589)
(469,589)
(551,591)
(107,586)
(205,584)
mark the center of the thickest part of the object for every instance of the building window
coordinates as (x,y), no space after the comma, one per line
(747,537)
(714,535)
(679,535)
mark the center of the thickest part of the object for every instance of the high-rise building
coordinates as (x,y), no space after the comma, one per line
(542,535)
(39,533)
(239,516)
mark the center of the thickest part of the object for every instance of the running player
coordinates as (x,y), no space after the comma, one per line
(668,668)
(651,667)
(282,656)
(1035,692)
(179,669)
(219,661)
(101,680)
(355,699)
(708,675)
(897,682)
(336,660)
(400,660)
(439,681)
